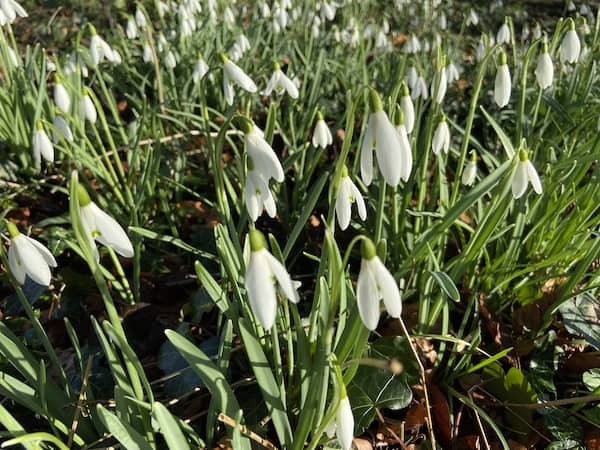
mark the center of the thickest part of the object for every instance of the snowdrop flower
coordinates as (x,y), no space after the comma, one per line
(263,157)
(413,45)
(537,31)
(502,84)
(63,129)
(131,28)
(316,27)
(279,82)
(570,45)
(265,10)
(228,17)
(148,54)
(480,50)
(258,196)
(27,257)
(75,62)
(99,49)
(411,77)
(170,60)
(347,194)
(470,172)
(327,11)
(342,425)
(571,6)
(233,74)
(404,149)
(200,70)
(11,9)
(441,137)
(408,109)
(321,136)
(472,18)
(162,8)
(524,174)
(87,110)
(374,283)
(382,136)
(14,58)
(442,84)
(452,74)
(262,272)
(503,35)
(442,22)
(101,227)
(420,89)
(140,18)
(243,43)
(42,147)
(544,71)
(61,96)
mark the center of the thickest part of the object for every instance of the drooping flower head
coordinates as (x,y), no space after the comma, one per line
(321,136)
(544,71)
(570,45)
(408,109)
(441,137)
(502,85)
(27,257)
(470,172)
(342,424)
(381,135)
(42,146)
(524,174)
(233,74)
(279,82)
(101,227)
(262,273)
(374,283)
(347,194)
(61,96)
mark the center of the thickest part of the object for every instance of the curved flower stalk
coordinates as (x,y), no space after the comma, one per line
(570,45)
(42,146)
(544,71)
(262,272)
(502,84)
(524,174)
(408,109)
(470,172)
(321,136)
(374,283)
(27,257)
(61,96)
(382,136)
(233,74)
(441,137)
(279,82)
(101,227)
(87,109)
(347,194)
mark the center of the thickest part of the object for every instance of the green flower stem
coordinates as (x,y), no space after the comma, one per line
(469,124)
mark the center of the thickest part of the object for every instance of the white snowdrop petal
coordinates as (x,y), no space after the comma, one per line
(283,278)
(360,201)
(239,76)
(388,288)
(387,144)
(342,204)
(32,261)
(366,155)
(367,298)
(252,199)
(264,157)
(289,86)
(544,72)
(61,98)
(533,177)
(44,252)
(42,146)
(15,265)
(107,231)
(345,424)
(260,289)
(408,110)
(405,153)
(519,181)
(502,86)
(227,90)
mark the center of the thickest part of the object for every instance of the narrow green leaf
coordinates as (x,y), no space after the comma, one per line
(123,432)
(447,285)
(169,427)
(35,437)
(268,385)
